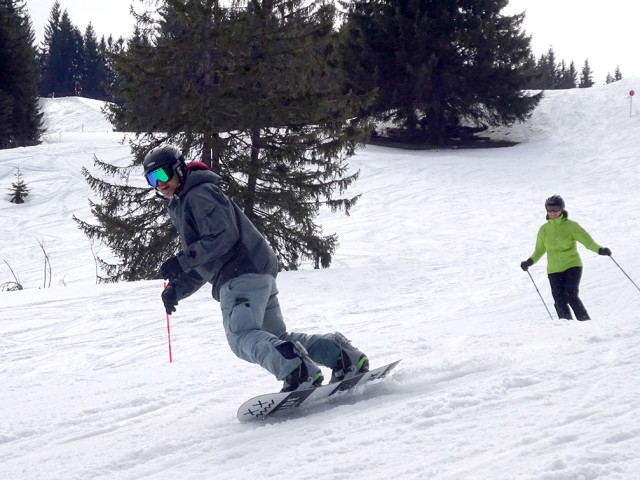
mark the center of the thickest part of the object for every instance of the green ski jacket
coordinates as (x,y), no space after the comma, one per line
(558,239)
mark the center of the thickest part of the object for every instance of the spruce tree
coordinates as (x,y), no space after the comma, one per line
(94,77)
(543,68)
(586,77)
(20,116)
(19,189)
(438,63)
(61,59)
(550,70)
(617,75)
(131,222)
(107,50)
(532,74)
(570,79)
(296,119)
(48,56)
(253,91)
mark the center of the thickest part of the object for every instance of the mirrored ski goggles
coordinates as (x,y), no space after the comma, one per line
(162,174)
(553,208)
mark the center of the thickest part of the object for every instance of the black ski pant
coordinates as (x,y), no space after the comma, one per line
(564,288)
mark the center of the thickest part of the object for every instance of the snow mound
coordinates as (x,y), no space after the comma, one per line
(74,114)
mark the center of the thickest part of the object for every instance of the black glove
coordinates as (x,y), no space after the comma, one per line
(171,269)
(526,264)
(604,251)
(170,299)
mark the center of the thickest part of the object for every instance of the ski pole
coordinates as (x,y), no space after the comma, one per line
(168,332)
(634,283)
(543,302)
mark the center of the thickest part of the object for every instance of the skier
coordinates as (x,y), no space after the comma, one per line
(558,239)
(221,246)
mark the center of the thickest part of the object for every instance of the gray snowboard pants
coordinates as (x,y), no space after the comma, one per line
(254,326)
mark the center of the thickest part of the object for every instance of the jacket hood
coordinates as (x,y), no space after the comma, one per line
(194,177)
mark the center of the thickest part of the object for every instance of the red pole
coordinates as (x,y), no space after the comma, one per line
(168,332)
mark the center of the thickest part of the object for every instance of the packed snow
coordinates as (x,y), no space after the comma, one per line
(489,387)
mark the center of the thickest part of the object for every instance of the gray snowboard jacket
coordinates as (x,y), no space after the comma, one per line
(218,241)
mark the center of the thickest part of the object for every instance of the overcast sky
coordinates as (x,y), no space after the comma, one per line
(602,32)
(106,16)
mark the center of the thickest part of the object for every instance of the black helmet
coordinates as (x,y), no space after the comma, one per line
(165,156)
(554,201)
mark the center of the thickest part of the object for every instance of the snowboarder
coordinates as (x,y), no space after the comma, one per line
(558,239)
(221,246)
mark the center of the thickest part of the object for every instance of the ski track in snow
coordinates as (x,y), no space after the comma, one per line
(427,270)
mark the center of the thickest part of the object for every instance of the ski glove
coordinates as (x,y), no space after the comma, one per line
(604,251)
(526,264)
(170,299)
(171,269)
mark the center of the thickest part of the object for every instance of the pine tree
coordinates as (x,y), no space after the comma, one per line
(567,77)
(129,220)
(20,116)
(543,69)
(617,74)
(255,92)
(297,120)
(550,70)
(107,50)
(437,63)
(586,77)
(571,77)
(19,189)
(62,61)
(95,74)
(47,60)
(532,74)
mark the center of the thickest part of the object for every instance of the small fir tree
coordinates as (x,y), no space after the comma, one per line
(19,189)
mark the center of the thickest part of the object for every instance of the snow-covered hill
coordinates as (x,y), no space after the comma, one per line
(428,270)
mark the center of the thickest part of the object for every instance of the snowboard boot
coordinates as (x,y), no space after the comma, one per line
(350,362)
(304,376)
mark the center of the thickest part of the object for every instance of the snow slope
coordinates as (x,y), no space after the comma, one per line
(428,270)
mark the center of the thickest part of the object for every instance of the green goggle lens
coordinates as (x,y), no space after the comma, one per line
(162,174)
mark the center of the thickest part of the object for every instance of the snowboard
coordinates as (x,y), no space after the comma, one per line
(284,403)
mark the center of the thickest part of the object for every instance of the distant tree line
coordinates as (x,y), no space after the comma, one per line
(72,63)
(393,54)
(547,73)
